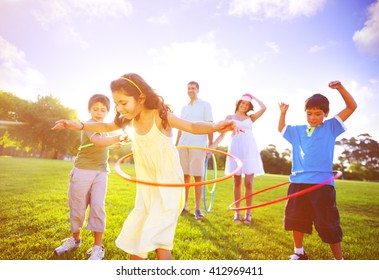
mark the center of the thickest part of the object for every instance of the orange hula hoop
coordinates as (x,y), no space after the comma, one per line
(129,178)
(299,193)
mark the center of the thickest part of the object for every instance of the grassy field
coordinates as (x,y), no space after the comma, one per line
(34,219)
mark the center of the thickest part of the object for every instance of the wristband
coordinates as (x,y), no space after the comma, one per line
(123,138)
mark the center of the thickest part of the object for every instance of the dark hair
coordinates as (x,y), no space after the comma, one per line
(134,85)
(317,101)
(251,107)
(99,98)
(194,83)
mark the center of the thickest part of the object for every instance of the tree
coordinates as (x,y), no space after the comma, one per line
(360,158)
(36,136)
(275,162)
(220,158)
(11,107)
(41,117)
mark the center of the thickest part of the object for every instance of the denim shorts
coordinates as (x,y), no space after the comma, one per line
(316,208)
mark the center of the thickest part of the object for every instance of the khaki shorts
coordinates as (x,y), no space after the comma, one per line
(87,188)
(192,161)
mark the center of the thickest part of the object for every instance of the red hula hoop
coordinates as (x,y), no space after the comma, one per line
(129,178)
(314,187)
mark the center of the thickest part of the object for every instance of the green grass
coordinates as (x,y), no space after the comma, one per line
(34,219)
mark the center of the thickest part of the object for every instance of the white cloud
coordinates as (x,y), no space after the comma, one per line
(71,36)
(60,16)
(221,77)
(282,9)
(271,49)
(364,119)
(48,12)
(317,48)
(161,20)
(367,39)
(17,75)
(374,82)
(273,46)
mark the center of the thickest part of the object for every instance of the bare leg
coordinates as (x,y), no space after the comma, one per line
(76,235)
(98,236)
(298,238)
(163,254)
(237,191)
(248,191)
(135,258)
(336,250)
(187,179)
(198,190)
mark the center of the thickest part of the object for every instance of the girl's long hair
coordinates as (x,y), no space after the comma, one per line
(134,85)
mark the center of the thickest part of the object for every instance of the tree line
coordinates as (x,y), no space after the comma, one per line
(25,132)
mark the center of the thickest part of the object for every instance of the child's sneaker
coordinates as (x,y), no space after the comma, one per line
(299,257)
(96,252)
(69,244)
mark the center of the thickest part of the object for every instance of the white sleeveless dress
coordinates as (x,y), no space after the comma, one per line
(152,223)
(244,147)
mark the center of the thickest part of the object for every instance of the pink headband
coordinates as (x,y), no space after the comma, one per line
(247,97)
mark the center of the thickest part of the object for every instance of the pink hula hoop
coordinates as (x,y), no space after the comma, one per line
(314,187)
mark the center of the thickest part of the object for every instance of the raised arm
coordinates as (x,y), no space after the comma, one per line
(260,112)
(92,126)
(351,105)
(282,119)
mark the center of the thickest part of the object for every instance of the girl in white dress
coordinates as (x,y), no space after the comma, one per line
(152,223)
(244,147)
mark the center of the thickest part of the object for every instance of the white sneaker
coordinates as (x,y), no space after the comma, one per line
(96,252)
(69,244)
(299,257)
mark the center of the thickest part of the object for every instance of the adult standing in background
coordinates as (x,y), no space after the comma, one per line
(244,147)
(193,160)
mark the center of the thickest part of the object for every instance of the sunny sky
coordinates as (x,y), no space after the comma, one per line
(276,50)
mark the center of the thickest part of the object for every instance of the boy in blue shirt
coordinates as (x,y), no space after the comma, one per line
(312,163)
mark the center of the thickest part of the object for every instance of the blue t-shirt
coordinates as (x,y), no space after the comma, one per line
(201,111)
(312,156)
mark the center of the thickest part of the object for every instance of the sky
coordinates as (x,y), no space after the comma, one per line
(279,51)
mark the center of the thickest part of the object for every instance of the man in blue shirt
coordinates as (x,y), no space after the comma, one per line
(192,160)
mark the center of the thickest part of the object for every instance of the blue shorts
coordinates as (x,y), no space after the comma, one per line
(316,208)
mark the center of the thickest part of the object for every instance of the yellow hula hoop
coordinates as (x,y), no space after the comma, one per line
(129,178)
(212,192)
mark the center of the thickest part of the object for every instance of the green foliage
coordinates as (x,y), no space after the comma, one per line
(220,158)
(360,158)
(39,117)
(12,107)
(275,162)
(35,218)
